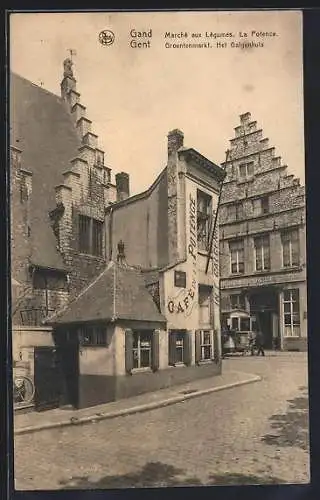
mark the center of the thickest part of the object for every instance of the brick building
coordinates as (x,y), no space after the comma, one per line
(263,239)
(111,293)
(60,186)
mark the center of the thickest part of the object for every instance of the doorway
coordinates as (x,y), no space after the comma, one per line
(264,305)
(68,353)
(47,378)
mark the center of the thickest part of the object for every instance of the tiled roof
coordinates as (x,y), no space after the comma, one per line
(119,292)
(43,129)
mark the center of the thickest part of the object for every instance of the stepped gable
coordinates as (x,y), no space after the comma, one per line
(269,174)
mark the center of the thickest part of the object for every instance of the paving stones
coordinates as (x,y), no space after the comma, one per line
(218,438)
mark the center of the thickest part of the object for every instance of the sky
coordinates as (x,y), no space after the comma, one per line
(135,96)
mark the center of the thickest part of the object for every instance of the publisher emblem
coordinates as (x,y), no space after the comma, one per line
(106,37)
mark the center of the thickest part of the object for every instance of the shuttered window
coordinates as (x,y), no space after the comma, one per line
(129,351)
(203,345)
(179,347)
(142,350)
(187,349)
(198,346)
(155,350)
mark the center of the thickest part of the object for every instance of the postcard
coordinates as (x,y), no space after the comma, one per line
(158,249)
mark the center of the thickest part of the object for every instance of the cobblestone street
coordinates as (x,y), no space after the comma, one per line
(256,433)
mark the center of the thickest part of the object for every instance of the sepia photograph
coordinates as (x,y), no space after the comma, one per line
(158,249)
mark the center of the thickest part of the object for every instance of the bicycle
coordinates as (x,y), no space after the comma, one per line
(23,389)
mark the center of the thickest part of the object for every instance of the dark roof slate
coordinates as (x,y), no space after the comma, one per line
(43,129)
(118,292)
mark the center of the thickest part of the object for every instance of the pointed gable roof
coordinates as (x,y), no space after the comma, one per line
(118,293)
(43,129)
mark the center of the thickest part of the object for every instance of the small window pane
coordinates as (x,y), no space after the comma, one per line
(145,358)
(244,324)
(295,295)
(250,168)
(242,170)
(287,319)
(287,307)
(296,319)
(296,331)
(235,323)
(286,295)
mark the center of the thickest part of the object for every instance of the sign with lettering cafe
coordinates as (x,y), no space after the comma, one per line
(182,299)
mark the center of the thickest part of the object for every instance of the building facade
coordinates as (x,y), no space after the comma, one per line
(167,330)
(112,295)
(263,239)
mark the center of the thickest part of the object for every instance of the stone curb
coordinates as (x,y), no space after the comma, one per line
(134,409)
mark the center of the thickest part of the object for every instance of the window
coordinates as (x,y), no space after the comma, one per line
(244,324)
(180,279)
(262,253)
(24,191)
(265,205)
(237,301)
(235,211)
(290,248)
(246,170)
(92,336)
(291,312)
(206,344)
(235,324)
(204,305)
(260,206)
(90,235)
(43,279)
(97,237)
(204,220)
(142,350)
(179,347)
(237,256)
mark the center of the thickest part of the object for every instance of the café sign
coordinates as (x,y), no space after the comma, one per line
(184,301)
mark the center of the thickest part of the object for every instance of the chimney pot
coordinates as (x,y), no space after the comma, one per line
(175,141)
(122,184)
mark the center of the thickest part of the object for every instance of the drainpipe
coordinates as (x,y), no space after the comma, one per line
(110,232)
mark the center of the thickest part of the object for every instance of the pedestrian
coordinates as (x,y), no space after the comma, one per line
(259,343)
(252,339)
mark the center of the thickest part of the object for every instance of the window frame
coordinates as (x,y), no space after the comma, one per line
(136,351)
(90,237)
(235,211)
(240,268)
(97,333)
(292,313)
(205,303)
(265,252)
(246,173)
(286,238)
(204,222)
(239,303)
(204,345)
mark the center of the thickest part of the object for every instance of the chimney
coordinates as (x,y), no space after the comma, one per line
(122,184)
(175,141)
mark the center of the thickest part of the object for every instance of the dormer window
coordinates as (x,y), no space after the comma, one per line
(246,170)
